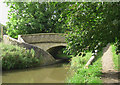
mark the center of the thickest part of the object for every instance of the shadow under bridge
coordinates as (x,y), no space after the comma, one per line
(53,43)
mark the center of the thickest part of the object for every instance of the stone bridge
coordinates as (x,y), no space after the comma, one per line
(42,43)
(45,41)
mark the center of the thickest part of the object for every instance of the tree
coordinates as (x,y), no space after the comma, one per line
(34,17)
(91,26)
(88,26)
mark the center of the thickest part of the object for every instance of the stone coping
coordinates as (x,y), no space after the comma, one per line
(37,34)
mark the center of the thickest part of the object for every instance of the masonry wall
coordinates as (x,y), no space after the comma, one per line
(46,58)
(44,38)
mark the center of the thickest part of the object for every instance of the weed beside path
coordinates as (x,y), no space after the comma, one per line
(84,75)
(116,59)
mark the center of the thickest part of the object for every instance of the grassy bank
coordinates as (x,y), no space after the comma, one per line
(14,57)
(79,74)
(116,59)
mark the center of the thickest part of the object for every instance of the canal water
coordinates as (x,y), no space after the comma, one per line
(49,74)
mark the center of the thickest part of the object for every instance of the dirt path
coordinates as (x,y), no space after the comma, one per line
(109,74)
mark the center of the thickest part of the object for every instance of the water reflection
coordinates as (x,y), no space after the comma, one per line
(49,74)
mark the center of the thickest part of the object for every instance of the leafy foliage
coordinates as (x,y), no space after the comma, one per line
(34,17)
(79,74)
(91,26)
(14,57)
(117,44)
(88,26)
(116,58)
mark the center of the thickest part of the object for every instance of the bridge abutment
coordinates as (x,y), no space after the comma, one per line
(43,44)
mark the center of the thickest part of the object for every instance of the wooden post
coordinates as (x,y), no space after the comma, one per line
(2,32)
(90,61)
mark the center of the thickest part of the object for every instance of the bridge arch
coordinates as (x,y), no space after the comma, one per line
(55,45)
(43,44)
(51,43)
(57,50)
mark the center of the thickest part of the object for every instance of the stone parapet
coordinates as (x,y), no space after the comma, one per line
(46,58)
(44,38)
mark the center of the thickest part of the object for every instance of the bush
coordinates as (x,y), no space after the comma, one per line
(117,44)
(116,58)
(79,74)
(14,57)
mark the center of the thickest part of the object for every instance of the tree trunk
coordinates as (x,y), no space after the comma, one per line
(2,32)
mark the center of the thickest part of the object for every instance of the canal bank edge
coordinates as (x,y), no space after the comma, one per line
(46,58)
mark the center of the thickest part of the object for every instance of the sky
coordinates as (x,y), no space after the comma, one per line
(3,13)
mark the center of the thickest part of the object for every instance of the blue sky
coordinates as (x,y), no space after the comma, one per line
(3,13)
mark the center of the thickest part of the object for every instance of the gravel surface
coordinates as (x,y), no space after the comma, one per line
(109,74)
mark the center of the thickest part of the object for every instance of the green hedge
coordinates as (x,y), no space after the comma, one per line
(14,57)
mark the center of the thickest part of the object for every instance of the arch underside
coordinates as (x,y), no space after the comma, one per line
(45,41)
(57,52)
(52,48)
(47,46)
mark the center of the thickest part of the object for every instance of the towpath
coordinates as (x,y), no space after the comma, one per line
(109,74)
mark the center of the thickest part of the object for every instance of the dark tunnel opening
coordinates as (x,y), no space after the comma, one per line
(57,52)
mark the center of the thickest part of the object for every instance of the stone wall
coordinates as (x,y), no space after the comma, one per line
(47,46)
(44,38)
(46,58)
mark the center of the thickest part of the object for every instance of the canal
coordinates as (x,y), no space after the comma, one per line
(56,73)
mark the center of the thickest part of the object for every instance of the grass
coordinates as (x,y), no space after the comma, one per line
(116,59)
(15,57)
(79,74)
